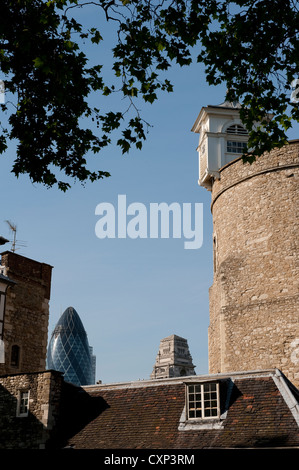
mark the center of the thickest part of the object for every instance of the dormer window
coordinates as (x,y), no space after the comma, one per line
(206,405)
(203,401)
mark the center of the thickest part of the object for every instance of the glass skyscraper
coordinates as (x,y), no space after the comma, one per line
(69,351)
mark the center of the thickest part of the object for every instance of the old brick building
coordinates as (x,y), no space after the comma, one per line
(238,410)
(257,409)
(30,404)
(25,329)
(24,384)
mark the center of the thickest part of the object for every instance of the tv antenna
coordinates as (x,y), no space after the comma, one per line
(13,228)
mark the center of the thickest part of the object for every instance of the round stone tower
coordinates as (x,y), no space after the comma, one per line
(254,299)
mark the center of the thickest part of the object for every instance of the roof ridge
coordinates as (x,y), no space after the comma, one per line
(183,379)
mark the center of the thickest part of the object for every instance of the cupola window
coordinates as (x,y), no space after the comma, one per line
(236,146)
(236,129)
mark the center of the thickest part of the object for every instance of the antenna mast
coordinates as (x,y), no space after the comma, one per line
(13,228)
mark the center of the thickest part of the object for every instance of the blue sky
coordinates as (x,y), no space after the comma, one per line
(129,293)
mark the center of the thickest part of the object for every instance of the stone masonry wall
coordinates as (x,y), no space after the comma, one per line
(254,300)
(35,430)
(26,313)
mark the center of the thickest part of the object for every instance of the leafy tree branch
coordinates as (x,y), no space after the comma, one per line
(249,45)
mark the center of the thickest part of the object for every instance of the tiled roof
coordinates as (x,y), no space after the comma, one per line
(262,412)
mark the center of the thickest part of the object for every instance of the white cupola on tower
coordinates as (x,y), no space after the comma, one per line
(222,138)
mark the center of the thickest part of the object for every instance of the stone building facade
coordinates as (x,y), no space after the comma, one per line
(173,358)
(254,300)
(30,406)
(25,330)
(254,313)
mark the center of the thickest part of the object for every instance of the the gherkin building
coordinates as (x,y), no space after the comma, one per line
(69,351)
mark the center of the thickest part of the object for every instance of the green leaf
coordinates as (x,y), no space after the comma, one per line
(38,62)
(96,38)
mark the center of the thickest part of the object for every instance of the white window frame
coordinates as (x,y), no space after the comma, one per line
(200,395)
(231,142)
(23,409)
